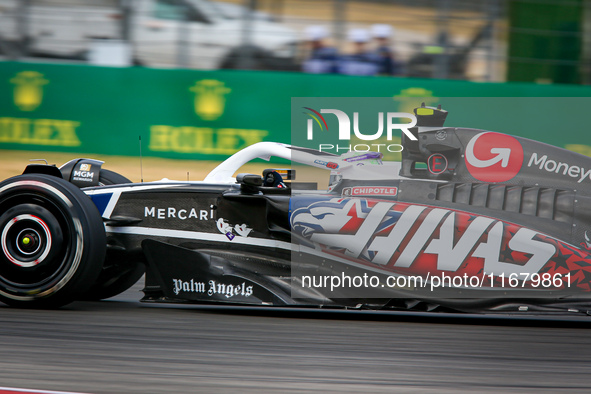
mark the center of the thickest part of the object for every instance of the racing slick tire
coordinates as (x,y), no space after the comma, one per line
(115,279)
(107,177)
(52,241)
(117,275)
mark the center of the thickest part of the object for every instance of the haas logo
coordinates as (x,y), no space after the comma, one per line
(493,157)
(402,236)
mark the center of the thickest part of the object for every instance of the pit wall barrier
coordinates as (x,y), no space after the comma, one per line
(209,115)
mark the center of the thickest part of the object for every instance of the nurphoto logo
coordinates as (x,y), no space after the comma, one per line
(387,123)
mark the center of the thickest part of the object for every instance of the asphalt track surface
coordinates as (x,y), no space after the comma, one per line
(122,346)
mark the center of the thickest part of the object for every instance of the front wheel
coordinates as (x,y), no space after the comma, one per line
(52,241)
(119,273)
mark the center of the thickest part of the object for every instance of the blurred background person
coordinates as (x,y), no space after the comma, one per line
(386,58)
(361,61)
(322,58)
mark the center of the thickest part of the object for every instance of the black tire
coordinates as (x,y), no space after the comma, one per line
(52,241)
(114,279)
(107,177)
(119,273)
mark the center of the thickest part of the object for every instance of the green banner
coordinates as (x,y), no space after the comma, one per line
(194,114)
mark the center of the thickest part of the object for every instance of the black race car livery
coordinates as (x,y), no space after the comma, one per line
(468,220)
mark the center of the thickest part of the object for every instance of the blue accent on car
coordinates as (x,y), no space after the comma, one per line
(101,201)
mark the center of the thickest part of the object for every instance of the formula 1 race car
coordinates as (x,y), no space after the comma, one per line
(468,220)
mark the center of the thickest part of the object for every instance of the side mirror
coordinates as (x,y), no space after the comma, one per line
(249,183)
(249,179)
